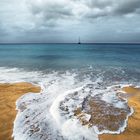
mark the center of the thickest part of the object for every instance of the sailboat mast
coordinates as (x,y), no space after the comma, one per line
(79,41)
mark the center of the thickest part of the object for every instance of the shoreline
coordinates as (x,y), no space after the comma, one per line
(132,131)
(9,93)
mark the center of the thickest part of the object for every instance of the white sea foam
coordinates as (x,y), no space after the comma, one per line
(70,128)
(110,97)
(19,75)
(73,130)
(39,115)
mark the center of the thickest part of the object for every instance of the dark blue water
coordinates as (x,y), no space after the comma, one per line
(69,56)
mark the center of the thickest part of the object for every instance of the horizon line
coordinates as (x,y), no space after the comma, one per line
(69,43)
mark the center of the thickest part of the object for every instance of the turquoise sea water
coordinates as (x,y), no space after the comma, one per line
(121,61)
(69,56)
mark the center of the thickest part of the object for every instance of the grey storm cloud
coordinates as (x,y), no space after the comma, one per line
(126,7)
(65,20)
(82,9)
(50,10)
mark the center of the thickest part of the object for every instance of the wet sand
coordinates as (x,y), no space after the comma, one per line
(132,131)
(9,93)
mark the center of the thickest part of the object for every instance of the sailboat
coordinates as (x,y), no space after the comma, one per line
(79,41)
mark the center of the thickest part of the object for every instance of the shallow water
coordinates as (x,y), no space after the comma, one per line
(64,71)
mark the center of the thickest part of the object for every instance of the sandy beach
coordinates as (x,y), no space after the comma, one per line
(132,131)
(9,93)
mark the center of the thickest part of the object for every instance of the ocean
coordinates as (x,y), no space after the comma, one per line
(70,75)
(69,56)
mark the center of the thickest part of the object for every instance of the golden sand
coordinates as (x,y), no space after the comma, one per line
(9,93)
(132,131)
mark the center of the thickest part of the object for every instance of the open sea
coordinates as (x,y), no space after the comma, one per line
(69,56)
(69,75)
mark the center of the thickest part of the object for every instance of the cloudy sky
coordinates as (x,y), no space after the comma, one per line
(66,20)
